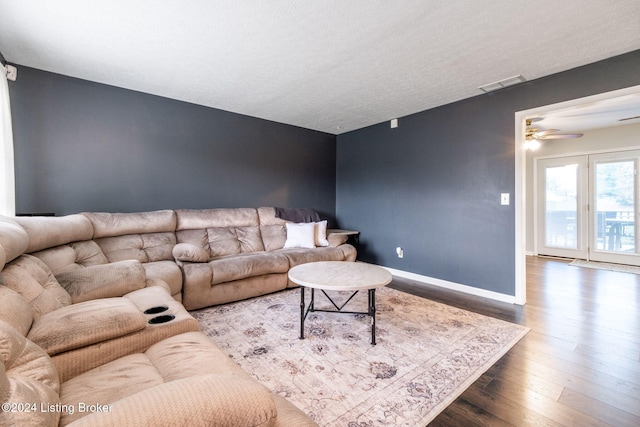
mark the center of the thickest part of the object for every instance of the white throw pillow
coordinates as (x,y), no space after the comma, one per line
(300,235)
(321,233)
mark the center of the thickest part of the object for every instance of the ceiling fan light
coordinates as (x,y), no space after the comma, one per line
(532,144)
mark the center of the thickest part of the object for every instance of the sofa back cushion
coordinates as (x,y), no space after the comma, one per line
(221,232)
(106,224)
(273,229)
(143,236)
(69,257)
(147,247)
(14,240)
(27,377)
(32,278)
(50,231)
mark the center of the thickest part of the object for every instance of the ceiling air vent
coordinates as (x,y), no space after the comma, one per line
(510,81)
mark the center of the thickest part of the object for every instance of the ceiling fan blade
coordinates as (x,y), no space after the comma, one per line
(562,136)
(546,132)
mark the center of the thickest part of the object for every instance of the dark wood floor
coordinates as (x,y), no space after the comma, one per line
(579,365)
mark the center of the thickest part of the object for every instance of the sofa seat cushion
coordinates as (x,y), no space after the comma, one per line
(103,281)
(199,293)
(298,256)
(74,362)
(173,363)
(86,323)
(208,400)
(241,266)
(167,271)
(109,383)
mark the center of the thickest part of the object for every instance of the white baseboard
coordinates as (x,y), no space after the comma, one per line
(453,286)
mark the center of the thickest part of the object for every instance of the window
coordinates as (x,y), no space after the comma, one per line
(7,177)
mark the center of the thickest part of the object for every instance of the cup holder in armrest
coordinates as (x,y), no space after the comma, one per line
(162,319)
(156,310)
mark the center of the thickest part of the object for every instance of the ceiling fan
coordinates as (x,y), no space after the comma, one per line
(533,135)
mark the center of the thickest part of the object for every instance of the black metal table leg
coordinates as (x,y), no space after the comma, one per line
(372,313)
(302,316)
(304,310)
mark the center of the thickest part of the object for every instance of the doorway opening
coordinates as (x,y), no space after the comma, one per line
(584,109)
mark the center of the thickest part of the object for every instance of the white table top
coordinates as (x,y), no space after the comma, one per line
(339,275)
(341,231)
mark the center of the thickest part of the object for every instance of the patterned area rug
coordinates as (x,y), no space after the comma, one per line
(605,266)
(426,355)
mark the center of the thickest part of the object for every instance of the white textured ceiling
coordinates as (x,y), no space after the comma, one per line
(332,66)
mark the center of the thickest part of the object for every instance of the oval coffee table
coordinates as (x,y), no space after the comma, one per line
(339,276)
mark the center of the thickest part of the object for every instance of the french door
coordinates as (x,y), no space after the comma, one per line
(562,222)
(588,206)
(613,182)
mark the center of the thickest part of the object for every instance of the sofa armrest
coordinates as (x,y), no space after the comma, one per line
(87,323)
(103,281)
(207,400)
(187,252)
(336,240)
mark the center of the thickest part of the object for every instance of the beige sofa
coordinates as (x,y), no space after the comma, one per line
(182,380)
(79,301)
(232,254)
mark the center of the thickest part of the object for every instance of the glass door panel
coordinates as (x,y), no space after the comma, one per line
(561,206)
(614,195)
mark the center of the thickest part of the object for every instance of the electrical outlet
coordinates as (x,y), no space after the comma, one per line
(504,199)
(400,252)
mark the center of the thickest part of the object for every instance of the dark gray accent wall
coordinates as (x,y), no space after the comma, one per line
(84,146)
(432,185)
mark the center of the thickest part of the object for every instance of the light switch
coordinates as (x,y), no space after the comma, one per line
(504,199)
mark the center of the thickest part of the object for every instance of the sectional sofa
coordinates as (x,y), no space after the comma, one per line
(94,327)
